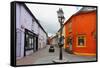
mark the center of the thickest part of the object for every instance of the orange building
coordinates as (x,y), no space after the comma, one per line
(80,32)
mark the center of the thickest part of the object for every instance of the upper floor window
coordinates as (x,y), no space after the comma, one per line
(70,27)
(93,33)
(32,25)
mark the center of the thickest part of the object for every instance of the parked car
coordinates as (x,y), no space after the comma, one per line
(51,49)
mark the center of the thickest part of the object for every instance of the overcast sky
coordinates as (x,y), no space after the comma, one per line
(47,15)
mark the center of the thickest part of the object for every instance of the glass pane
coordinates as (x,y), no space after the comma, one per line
(80,41)
(32,43)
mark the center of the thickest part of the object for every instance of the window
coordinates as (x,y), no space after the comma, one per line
(81,40)
(70,27)
(32,26)
(94,34)
(29,41)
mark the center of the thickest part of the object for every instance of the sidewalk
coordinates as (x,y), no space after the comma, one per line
(43,56)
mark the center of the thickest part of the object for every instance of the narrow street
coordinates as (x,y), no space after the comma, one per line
(43,56)
(35,29)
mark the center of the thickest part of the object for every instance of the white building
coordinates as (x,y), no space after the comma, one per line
(30,35)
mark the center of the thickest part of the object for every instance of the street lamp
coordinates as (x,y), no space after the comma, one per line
(61,19)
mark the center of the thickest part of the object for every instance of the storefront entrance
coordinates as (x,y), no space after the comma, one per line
(31,42)
(69,42)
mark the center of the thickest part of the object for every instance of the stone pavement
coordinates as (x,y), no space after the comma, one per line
(43,56)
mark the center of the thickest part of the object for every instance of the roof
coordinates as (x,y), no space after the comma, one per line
(82,11)
(33,17)
(54,37)
(87,9)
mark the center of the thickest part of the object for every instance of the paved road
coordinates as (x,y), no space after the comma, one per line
(43,57)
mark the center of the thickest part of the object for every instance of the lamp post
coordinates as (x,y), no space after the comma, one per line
(61,19)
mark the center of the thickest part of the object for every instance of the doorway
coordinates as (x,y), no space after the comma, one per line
(69,42)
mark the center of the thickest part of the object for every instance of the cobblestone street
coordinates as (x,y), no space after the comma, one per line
(43,56)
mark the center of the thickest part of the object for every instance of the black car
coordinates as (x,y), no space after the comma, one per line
(51,49)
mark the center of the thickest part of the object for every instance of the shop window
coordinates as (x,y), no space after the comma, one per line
(81,41)
(29,42)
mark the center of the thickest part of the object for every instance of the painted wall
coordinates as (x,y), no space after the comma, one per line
(63,33)
(82,24)
(42,38)
(25,20)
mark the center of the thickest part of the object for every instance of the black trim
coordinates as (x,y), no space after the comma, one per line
(13,34)
(97,33)
(56,63)
(29,32)
(36,43)
(53,3)
(24,43)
